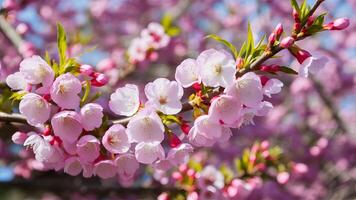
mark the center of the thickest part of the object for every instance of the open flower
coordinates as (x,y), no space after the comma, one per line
(16,81)
(217,68)
(155,35)
(105,169)
(225,110)
(248,89)
(126,165)
(165,95)
(72,166)
(145,126)
(125,100)
(116,140)
(148,152)
(272,86)
(35,108)
(67,125)
(187,73)
(312,65)
(43,150)
(211,176)
(64,91)
(180,155)
(137,50)
(36,71)
(91,115)
(88,148)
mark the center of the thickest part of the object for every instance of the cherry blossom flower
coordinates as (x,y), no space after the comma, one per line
(225,110)
(148,152)
(164,95)
(35,108)
(137,50)
(36,71)
(126,165)
(88,148)
(125,100)
(312,65)
(216,68)
(116,140)
(91,115)
(67,125)
(180,155)
(248,89)
(105,169)
(145,126)
(72,166)
(43,150)
(155,35)
(16,81)
(64,91)
(272,86)
(187,73)
(212,176)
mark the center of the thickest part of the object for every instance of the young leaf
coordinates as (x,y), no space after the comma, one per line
(173,31)
(250,41)
(61,44)
(226,43)
(294,4)
(166,21)
(288,70)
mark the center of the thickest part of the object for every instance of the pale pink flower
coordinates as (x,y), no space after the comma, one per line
(155,35)
(248,89)
(67,125)
(127,165)
(125,100)
(225,110)
(116,140)
(91,115)
(137,50)
(312,65)
(43,150)
(36,71)
(87,170)
(19,137)
(35,108)
(216,68)
(64,91)
(88,148)
(164,95)
(72,166)
(187,73)
(70,148)
(145,126)
(283,177)
(149,152)
(16,81)
(212,176)
(180,155)
(105,169)
(272,86)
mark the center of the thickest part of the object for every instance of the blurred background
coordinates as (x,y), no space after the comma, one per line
(313,120)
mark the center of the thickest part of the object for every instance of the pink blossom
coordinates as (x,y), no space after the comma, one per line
(287,42)
(272,86)
(155,35)
(217,68)
(283,177)
(116,140)
(72,166)
(91,115)
(127,165)
(16,81)
(248,89)
(67,125)
(105,169)
(225,110)
(187,73)
(148,152)
(312,65)
(212,176)
(125,100)
(338,24)
(35,108)
(19,137)
(64,91)
(137,50)
(36,71)
(145,126)
(43,150)
(88,148)
(164,95)
(180,155)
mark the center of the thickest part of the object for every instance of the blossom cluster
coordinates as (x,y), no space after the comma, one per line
(151,39)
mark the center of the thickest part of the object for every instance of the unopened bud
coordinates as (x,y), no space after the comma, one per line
(338,24)
(279,30)
(271,39)
(99,80)
(86,69)
(19,137)
(296,16)
(299,54)
(310,20)
(287,42)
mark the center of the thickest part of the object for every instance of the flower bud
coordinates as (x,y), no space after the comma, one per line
(86,69)
(283,177)
(300,168)
(287,42)
(271,39)
(310,20)
(99,80)
(296,16)
(19,137)
(239,63)
(299,54)
(279,30)
(338,24)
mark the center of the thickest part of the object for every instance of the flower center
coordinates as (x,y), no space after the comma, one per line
(217,69)
(162,100)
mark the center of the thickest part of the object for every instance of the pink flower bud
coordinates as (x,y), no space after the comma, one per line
(99,80)
(296,16)
(19,137)
(239,63)
(279,30)
(300,168)
(22,28)
(174,141)
(299,54)
(86,69)
(271,39)
(287,42)
(338,24)
(283,178)
(177,175)
(310,20)
(183,168)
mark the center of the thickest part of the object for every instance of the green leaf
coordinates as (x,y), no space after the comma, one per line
(288,70)
(61,44)
(294,4)
(226,43)
(304,10)
(173,31)
(86,93)
(17,96)
(227,173)
(166,21)
(250,41)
